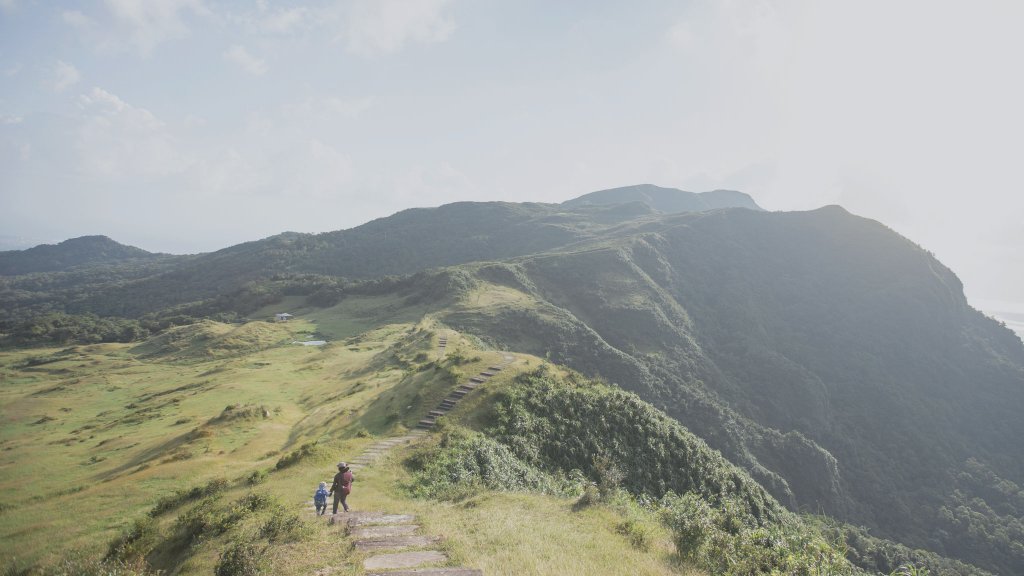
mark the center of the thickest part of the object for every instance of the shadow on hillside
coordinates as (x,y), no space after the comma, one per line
(166,448)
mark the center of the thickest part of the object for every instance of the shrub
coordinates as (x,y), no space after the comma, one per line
(301,453)
(609,476)
(242,559)
(910,570)
(255,501)
(726,540)
(257,477)
(637,533)
(283,526)
(466,462)
(236,412)
(590,496)
(133,544)
(80,565)
(180,497)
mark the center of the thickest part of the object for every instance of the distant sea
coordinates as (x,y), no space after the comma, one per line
(1012,313)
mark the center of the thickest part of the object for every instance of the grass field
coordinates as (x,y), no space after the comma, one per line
(93,437)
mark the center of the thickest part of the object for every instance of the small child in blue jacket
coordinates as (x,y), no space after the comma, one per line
(320,499)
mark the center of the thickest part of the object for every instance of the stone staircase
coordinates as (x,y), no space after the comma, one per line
(394,546)
(392,540)
(379,448)
(459,393)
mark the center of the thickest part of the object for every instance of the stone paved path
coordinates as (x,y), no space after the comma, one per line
(392,540)
(394,547)
(442,343)
(459,393)
(379,448)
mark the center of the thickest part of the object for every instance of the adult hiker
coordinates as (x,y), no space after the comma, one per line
(342,486)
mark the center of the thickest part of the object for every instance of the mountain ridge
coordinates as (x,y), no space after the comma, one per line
(80,251)
(834,360)
(668,200)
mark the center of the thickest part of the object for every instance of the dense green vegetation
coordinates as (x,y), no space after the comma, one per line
(71,253)
(869,410)
(564,435)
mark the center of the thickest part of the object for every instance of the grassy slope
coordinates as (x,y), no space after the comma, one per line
(93,435)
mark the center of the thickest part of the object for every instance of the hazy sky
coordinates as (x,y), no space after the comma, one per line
(191,125)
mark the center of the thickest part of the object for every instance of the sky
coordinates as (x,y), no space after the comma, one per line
(187,126)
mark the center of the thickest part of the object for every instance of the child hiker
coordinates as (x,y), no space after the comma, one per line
(342,486)
(320,499)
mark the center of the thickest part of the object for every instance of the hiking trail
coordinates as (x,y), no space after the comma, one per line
(397,547)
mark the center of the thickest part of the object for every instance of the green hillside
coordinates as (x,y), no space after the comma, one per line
(163,455)
(834,363)
(879,410)
(76,252)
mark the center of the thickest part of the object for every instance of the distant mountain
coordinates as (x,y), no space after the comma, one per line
(667,200)
(403,243)
(85,250)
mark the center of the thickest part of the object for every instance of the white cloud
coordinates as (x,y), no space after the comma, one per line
(348,108)
(10,119)
(386,26)
(240,56)
(152,22)
(439,184)
(119,141)
(315,111)
(77,20)
(64,76)
(280,21)
(8,5)
(317,171)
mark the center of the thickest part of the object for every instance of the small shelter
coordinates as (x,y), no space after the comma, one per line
(283,317)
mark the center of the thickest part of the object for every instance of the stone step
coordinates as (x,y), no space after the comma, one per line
(383,531)
(404,560)
(431,572)
(425,425)
(396,542)
(373,518)
(437,413)
(494,368)
(477,379)
(487,374)
(425,422)
(465,388)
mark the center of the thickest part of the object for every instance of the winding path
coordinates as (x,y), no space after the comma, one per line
(394,541)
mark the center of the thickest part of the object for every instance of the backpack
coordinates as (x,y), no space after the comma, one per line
(321,496)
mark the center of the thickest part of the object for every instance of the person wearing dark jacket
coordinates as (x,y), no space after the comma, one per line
(342,486)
